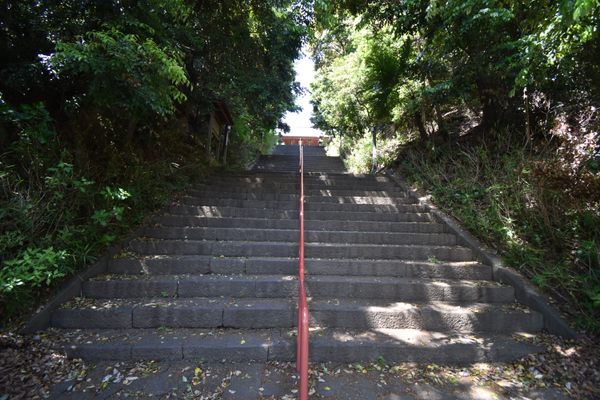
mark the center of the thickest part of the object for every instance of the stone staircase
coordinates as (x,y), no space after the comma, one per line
(285,159)
(214,278)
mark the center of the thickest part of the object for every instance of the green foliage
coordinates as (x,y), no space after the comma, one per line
(35,267)
(358,153)
(104,111)
(124,71)
(465,72)
(55,221)
(428,60)
(33,121)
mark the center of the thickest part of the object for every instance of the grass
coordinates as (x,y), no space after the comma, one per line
(542,224)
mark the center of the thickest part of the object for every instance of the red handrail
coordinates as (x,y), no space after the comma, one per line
(302,342)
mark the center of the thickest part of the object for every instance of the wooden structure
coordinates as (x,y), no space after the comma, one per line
(219,128)
(306,140)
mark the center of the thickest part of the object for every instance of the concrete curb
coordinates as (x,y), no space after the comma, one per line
(525,292)
(41,319)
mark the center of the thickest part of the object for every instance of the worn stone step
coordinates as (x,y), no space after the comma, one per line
(368,216)
(288,249)
(318,286)
(432,316)
(293,183)
(270,166)
(293,176)
(280,313)
(290,163)
(410,345)
(207,247)
(173,265)
(314,225)
(307,156)
(326,345)
(357,267)
(407,289)
(184,286)
(217,211)
(327,191)
(387,252)
(292,235)
(175,313)
(294,187)
(224,222)
(308,199)
(214,345)
(294,159)
(294,205)
(294,149)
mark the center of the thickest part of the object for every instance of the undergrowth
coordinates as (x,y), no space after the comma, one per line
(357,153)
(513,196)
(62,204)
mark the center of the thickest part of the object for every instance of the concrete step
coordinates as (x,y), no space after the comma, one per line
(293,204)
(312,250)
(173,265)
(292,235)
(326,345)
(218,211)
(314,225)
(281,313)
(318,286)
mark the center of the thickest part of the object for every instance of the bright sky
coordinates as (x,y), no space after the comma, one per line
(300,122)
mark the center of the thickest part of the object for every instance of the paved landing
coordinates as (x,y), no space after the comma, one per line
(249,381)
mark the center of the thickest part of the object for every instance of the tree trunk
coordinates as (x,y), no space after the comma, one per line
(418,118)
(440,123)
(374,154)
(131,128)
(437,114)
(491,108)
(528,129)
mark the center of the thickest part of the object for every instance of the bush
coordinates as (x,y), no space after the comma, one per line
(358,153)
(34,267)
(57,216)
